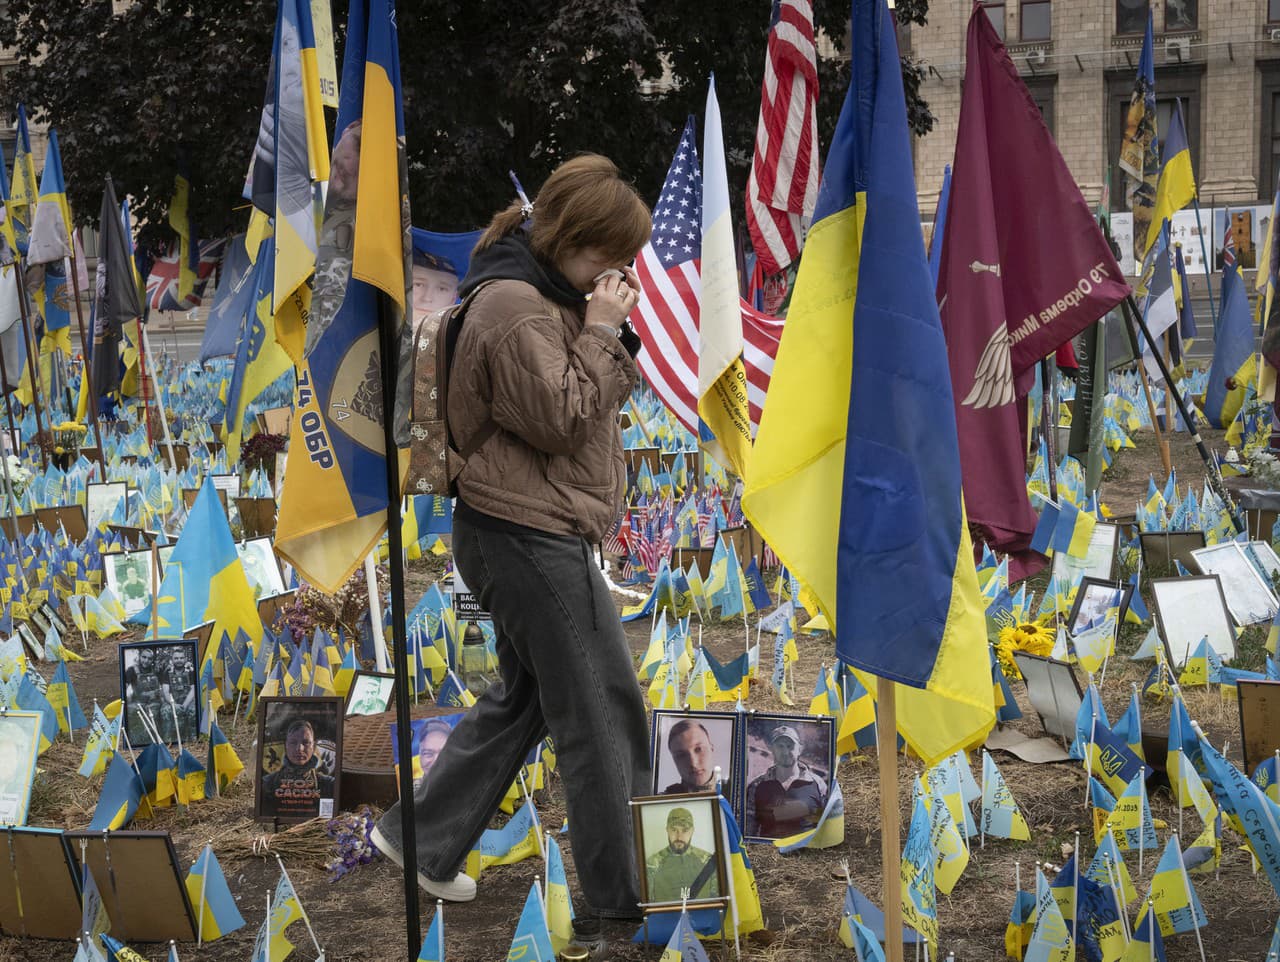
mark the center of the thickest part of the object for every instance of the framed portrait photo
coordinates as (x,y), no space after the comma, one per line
(228,483)
(688,746)
(370,693)
(797,751)
(100,500)
(1098,561)
(128,575)
(159,691)
(261,568)
(19,742)
(427,736)
(678,846)
(299,760)
(1094,598)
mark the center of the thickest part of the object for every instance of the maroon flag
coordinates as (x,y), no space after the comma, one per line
(1024,269)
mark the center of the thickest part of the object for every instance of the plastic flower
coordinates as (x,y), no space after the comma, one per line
(1031,637)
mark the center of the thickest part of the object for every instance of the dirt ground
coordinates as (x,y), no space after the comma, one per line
(361,916)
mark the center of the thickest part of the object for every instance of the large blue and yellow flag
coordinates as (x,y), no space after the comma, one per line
(334,505)
(1234,364)
(204,579)
(188,242)
(879,450)
(260,359)
(1177,185)
(290,158)
(23,191)
(50,240)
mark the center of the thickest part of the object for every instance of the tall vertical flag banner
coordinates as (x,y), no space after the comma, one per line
(1233,356)
(1139,157)
(1009,293)
(880,454)
(23,191)
(290,155)
(259,357)
(667,316)
(188,243)
(1177,185)
(725,428)
(333,507)
(782,187)
(1267,283)
(50,240)
(116,297)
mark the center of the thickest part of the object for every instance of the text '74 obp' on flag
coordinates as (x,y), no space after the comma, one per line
(333,508)
(897,575)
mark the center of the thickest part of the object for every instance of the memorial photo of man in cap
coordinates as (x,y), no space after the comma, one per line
(788,798)
(680,852)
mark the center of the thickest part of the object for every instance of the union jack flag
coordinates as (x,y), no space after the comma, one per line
(1228,244)
(162,282)
(782,189)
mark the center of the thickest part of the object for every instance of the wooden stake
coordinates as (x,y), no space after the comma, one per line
(890,820)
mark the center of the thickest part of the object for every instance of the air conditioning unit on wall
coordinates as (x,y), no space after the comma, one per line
(1036,57)
(1275,34)
(1177,48)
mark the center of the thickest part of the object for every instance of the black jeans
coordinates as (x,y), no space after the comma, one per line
(565,669)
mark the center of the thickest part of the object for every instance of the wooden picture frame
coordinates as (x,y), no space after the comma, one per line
(141,884)
(672,830)
(1258,701)
(70,518)
(1160,549)
(296,778)
(41,862)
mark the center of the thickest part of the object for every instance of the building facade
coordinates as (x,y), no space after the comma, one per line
(1220,58)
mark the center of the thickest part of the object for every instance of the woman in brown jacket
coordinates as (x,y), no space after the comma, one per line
(545,354)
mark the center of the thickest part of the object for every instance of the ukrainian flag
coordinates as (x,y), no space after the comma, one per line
(1233,355)
(204,579)
(51,227)
(334,505)
(183,226)
(22,198)
(1177,186)
(879,452)
(211,898)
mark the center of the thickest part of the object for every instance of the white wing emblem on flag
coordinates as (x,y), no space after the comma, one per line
(993,379)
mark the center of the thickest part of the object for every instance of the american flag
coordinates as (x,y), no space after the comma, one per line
(162,282)
(1228,245)
(667,316)
(783,186)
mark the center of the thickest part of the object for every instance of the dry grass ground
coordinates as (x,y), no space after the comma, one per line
(361,917)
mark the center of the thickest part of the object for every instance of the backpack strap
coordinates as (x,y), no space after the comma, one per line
(458,455)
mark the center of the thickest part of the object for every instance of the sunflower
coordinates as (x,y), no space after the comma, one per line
(1031,636)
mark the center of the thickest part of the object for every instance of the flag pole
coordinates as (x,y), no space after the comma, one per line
(1208,274)
(1132,315)
(395,562)
(890,819)
(73,268)
(1211,466)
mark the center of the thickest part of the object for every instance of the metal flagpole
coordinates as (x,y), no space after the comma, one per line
(73,270)
(395,562)
(890,819)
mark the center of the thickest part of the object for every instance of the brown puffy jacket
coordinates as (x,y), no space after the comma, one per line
(554,387)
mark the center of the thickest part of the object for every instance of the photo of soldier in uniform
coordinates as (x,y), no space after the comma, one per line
(788,796)
(19,741)
(260,567)
(128,576)
(679,846)
(299,758)
(161,696)
(687,749)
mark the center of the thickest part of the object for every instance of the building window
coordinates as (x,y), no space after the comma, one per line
(1182,83)
(1131,16)
(1041,90)
(995,10)
(1269,167)
(1273,11)
(1035,19)
(1180,15)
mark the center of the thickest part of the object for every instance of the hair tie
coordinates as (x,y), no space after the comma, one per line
(527,208)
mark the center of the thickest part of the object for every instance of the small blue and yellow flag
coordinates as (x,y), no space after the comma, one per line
(216,911)
(532,941)
(684,945)
(121,794)
(433,945)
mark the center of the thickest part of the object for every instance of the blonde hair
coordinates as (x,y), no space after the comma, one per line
(584,203)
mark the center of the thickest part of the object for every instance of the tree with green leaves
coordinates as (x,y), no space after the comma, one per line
(490,86)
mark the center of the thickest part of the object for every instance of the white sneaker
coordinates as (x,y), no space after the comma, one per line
(461,888)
